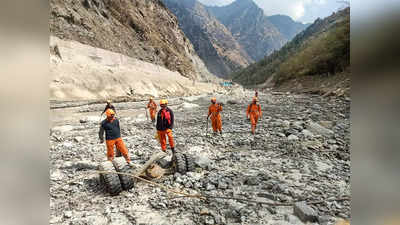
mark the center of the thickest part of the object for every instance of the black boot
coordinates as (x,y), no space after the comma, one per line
(173,151)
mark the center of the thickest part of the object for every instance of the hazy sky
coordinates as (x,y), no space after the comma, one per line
(300,10)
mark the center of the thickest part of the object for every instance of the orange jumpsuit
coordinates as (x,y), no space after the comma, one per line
(254,111)
(214,110)
(119,143)
(162,135)
(152,106)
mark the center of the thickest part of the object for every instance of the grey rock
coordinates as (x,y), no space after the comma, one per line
(68,214)
(266,195)
(298,125)
(56,175)
(78,139)
(252,180)
(323,220)
(318,129)
(85,165)
(307,133)
(232,102)
(208,220)
(62,129)
(178,179)
(210,187)
(202,161)
(281,134)
(222,185)
(304,212)
(293,137)
(292,219)
(286,124)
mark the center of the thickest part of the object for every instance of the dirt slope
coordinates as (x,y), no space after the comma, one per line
(82,72)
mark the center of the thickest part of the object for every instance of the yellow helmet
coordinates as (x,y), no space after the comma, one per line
(163,102)
(108,101)
(255,99)
(213,99)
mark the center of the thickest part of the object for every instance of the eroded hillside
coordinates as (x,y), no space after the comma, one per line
(145,30)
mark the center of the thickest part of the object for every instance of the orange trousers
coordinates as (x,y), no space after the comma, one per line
(119,143)
(152,114)
(162,134)
(253,120)
(216,123)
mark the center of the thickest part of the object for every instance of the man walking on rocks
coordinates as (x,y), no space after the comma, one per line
(253,113)
(214,111)
(108,106)
(165,123)
(113,136)
(152,106)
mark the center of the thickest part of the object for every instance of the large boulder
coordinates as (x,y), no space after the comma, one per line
(304,212)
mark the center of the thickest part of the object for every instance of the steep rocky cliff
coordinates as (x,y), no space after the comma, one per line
(250,27)
(142,29)
(212,41)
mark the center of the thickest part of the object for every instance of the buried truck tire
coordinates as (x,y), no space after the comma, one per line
(190,165)
(110,181)
(120,165)
(179,161)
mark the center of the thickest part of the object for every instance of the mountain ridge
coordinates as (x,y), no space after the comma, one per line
(251,28)
(212,41)
(322,49)
(286,25)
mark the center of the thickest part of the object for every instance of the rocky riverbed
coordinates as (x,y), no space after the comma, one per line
(300,157)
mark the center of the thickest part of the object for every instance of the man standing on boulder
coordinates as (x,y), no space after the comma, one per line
(152,106)
(214,111)
(113,136)
(165,123)
(253,112)
(108,106)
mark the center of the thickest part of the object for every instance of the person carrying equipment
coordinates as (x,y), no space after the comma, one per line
(113,136)
(165,123)
(108,106)
(214,111)
(152,106)
(253,113)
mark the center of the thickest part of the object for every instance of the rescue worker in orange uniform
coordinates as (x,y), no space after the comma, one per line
(253,113)
(113,136)
(214,111)
(152,106)
(165,123)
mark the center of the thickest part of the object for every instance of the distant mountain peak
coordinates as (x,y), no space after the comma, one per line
(244,4)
